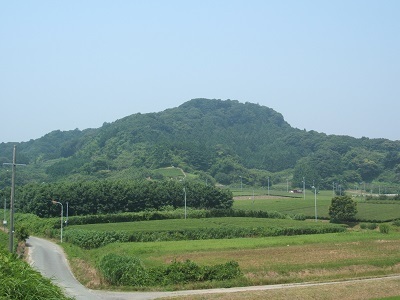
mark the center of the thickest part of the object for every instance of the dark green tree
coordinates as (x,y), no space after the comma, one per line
(342,208)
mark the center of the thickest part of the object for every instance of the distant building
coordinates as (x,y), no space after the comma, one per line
(297,191)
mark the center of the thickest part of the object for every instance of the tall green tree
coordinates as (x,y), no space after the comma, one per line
(342,208)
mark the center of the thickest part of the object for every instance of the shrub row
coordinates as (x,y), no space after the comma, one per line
(89,239)
(177,214)
(122,270)
(383,197)
(396,222)
(371,226)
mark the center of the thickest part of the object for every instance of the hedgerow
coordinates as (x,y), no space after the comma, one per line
(123,270)
(177,214)
(89,239)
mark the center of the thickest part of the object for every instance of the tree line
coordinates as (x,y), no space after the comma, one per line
(108,196)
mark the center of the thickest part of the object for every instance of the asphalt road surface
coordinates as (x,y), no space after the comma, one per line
(49,259)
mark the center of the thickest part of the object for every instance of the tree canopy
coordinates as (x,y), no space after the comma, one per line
(223,139)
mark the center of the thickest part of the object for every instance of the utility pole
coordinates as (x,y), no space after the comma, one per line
(5,216)
(11,229)
(184,191)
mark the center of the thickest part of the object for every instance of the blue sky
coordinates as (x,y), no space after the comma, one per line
(328,66)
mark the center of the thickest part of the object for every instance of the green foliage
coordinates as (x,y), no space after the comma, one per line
(370,226)
(224,139)
(20,282)
(106,196)
(123,270)
(396,223)
(175,230)
(342,208)
(21,233)
(384,228)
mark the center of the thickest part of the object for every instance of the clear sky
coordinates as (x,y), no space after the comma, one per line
(328,66)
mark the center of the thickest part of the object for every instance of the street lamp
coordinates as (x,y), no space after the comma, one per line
(66,221)
(315,202)
(62,213)
(241,183)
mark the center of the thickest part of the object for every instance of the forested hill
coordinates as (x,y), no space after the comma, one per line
(215,139)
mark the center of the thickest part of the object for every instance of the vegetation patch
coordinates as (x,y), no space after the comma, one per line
(19,281)
(98,235)
(124,270)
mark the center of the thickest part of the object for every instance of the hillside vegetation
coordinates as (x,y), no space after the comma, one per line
(215,141)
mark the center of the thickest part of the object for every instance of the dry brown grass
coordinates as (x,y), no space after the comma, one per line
(355,290)
(86,274)
(305,262)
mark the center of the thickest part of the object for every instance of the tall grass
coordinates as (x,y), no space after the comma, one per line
(18,281)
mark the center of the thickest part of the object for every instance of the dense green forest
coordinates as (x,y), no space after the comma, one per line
(217,141)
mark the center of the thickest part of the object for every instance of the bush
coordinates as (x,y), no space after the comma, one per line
(396,223)
(342,208)
(122,270)
(371,226)
(21,233)
(384,228)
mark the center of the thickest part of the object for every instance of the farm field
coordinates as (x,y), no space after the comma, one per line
(382,211)
(268,260)
(179,224)
(97,235)
(356,253)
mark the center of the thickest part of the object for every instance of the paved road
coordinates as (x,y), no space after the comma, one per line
(49,259)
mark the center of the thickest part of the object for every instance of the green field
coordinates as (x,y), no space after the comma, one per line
(265,260)
(180,224)
(383,211)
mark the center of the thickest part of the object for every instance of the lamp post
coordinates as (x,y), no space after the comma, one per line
(315,202)
(268,186)
(61,222)
(66,221)
(241,183)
